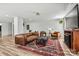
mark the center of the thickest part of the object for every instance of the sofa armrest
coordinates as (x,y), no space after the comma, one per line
(20,39)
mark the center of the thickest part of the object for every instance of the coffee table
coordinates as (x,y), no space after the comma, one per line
(42,40)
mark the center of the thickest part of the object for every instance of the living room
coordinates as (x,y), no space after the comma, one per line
(34,29)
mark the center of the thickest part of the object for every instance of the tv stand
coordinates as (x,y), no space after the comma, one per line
(71,39)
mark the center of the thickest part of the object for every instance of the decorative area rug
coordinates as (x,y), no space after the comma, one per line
(52,48)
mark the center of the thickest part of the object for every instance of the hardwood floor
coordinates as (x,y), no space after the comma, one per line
(65,48)
(9,48)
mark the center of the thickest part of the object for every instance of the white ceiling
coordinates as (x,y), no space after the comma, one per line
(27,10)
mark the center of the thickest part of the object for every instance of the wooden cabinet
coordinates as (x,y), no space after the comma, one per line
(76,40)
(71,38)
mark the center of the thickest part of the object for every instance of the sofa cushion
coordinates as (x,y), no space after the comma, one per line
(31,38)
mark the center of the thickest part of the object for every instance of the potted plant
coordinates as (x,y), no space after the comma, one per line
(61,21)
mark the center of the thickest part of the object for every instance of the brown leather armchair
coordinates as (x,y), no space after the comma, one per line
(55,35)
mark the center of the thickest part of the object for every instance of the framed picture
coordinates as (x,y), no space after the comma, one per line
(27,26)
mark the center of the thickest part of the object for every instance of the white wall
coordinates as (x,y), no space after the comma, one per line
(13,28)
(18,25)
(43,26)
(15,25)
(9,28)
(67,10)
(6,29)
(34,26)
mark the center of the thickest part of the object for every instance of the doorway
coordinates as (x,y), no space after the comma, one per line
(0,30)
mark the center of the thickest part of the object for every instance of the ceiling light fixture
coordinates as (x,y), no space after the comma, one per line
(36,13)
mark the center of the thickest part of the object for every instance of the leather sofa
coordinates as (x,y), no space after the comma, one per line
(25,38)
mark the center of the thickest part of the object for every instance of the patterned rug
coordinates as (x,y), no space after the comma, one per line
(52,48)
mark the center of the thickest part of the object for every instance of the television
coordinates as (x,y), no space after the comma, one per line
(72,18)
